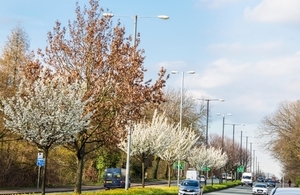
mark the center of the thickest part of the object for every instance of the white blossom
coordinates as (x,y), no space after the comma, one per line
(48,111)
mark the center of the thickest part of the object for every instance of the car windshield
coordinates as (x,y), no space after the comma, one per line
(246,177)
(190,183)
(260,186)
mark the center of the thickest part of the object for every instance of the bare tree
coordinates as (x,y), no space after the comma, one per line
(48,112)
(280,133)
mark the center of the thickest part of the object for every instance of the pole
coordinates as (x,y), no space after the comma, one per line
(129,131)
(250,157)
(207,115)
(233,129)
(128,160)
(223,132)
(206,134)
(246,157)
(180,122)
(241,148)
(253,161)
(134,29)
(39,174)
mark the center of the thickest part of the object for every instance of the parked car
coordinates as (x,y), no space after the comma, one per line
(271,183)
(260,188)
(190,187)
(285,191)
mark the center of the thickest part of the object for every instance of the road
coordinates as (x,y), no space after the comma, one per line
(238,190)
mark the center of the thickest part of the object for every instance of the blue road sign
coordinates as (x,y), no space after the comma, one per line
(40,162)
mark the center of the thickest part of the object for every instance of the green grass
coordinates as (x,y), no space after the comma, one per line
(157,190)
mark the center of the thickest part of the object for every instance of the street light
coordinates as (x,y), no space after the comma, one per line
(207,114)
(135,17)
(223,124)
(180,112)
(233,130)
(241,147)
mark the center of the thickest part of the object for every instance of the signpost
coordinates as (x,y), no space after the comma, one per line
(181,165)
(40,162)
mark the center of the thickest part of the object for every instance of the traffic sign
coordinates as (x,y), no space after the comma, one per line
(205,168)
(181,165)
(40,162)
(240,169)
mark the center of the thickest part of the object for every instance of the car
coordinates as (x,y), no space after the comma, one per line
(260,188)
(202,178)
(271,183)
(285,191)
(260,179)
(190,187)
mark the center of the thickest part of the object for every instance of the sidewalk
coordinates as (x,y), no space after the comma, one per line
(48,190)
(71,188)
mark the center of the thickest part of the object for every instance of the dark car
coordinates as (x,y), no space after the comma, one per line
(271,183)
(260,179)
(115,178)
(190,187)
(285,191)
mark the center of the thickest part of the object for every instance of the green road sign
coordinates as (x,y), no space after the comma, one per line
(205,168)
(240,169)
(181,165)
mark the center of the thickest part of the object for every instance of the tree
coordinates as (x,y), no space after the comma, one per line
(181,142)
(281,136)
(95,52)
(147,139)
(15,55)
(193,115)
(48,112)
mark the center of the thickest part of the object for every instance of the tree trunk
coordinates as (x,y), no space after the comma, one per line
(169,174)
(80,163)
(155,168)
(143,174)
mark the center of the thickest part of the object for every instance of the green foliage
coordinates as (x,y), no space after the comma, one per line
(159,190)
(297,182)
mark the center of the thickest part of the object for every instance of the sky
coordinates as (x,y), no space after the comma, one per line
(244,51)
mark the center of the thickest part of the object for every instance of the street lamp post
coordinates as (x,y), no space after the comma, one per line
(180,113)
(233,130)
(135,17)
(207,114)
(207,117)
(222,147)
(223,124)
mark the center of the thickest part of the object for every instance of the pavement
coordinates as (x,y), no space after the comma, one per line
(48,190)
(70,189)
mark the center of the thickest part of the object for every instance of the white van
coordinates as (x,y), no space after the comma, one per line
(247,179)
(192,174)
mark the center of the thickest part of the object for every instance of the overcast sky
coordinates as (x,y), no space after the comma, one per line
(244,51)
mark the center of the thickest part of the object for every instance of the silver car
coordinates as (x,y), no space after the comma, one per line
(190,187)
(260,188)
